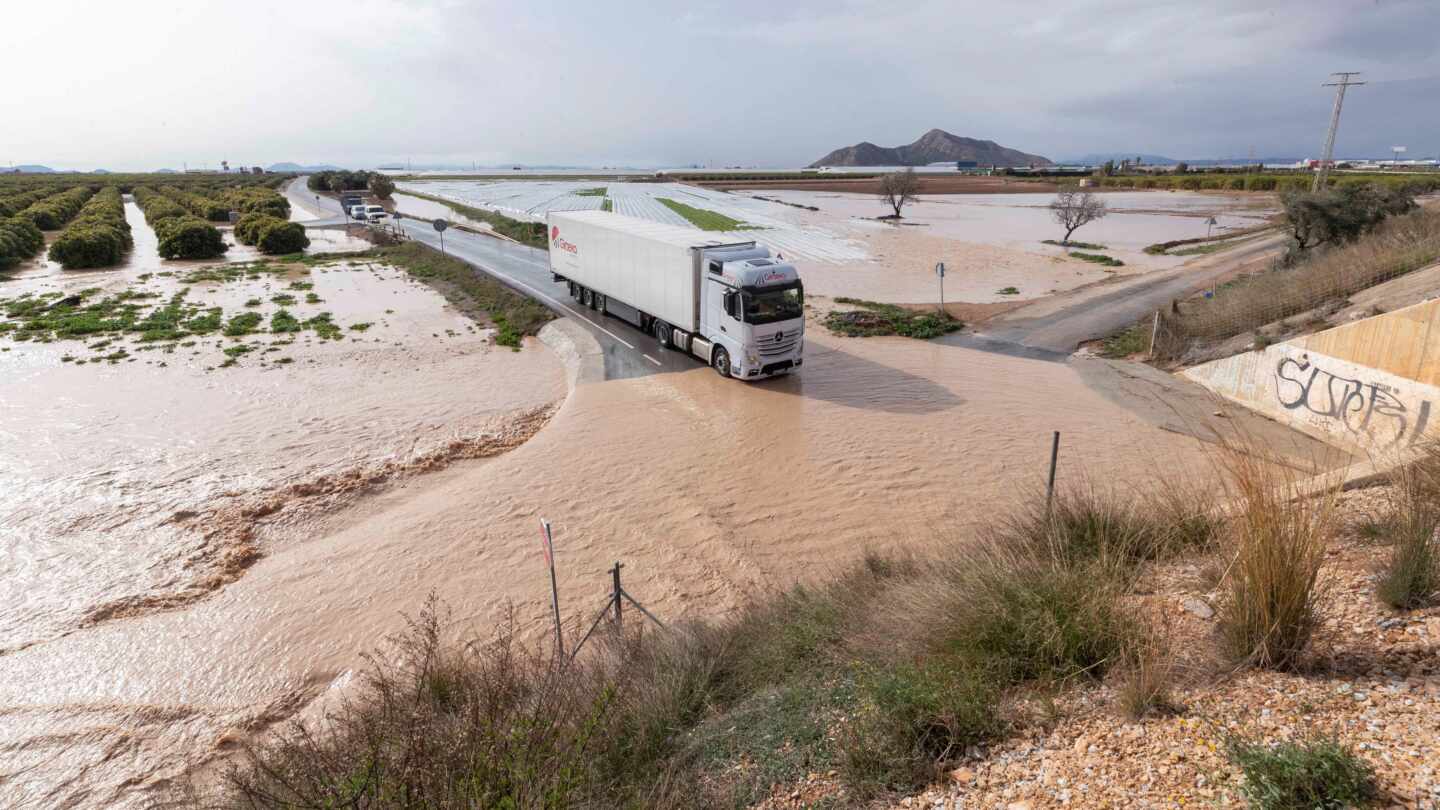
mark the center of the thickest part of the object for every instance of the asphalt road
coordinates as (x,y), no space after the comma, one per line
(1054,328)
(628,352)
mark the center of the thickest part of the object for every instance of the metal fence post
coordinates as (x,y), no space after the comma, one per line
(1050,487)
(616,573)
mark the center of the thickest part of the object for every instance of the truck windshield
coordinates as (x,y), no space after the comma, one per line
(769,306)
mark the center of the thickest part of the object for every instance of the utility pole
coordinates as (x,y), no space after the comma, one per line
(1342,81)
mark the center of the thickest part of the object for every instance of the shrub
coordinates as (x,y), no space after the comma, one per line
(19,240)
(200,205)
(1341,214)
(1314,774)
(188,237)
(99,236)
(1044,620)
(280,237)
(1260,183)
(247,230)
(916,715)
(381,186)
(57,209)
(256,199)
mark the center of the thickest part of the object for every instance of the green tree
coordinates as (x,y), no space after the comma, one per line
(381,186)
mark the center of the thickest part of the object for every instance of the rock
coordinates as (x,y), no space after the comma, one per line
(1019,806)
(1198,607)
(962,776)
(1081,745)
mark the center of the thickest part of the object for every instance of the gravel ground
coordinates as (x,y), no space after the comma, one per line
(1373,682)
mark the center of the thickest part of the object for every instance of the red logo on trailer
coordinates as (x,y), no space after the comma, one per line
(555,240)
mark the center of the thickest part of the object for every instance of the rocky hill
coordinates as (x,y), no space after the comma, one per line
(935,146)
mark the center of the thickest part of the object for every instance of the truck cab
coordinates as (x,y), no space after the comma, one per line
(753,312)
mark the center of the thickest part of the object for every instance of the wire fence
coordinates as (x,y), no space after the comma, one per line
(1314,288)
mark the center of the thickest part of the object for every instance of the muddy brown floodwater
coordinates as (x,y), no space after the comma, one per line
(709,490)
(131,487)
(993,242)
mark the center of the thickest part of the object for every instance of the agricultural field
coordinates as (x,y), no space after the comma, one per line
(84,214)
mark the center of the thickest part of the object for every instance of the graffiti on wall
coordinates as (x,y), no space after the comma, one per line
(1366,409)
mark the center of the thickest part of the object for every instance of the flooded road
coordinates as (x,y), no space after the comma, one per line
(709,490)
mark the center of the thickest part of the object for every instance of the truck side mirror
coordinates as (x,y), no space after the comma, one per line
(730,304)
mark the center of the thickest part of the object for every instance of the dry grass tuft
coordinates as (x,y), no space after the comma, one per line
(1410,577)
(1279,534)
(1148,671)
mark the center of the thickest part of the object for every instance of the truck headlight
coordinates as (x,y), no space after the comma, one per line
(751,359)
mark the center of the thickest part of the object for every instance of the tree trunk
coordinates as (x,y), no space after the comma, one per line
(1066,240)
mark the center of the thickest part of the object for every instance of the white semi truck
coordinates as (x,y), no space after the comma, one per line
(729,304)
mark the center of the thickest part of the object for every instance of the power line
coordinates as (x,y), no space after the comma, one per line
(1328,153)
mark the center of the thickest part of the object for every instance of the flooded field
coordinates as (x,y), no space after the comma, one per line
(992,244)
(707,489)
(119,457)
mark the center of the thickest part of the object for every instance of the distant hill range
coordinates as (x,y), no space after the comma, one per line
(935,146)
(29,169)
(296,167)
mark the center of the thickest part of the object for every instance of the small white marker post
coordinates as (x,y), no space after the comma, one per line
(940,271)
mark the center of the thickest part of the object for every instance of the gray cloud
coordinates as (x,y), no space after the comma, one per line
(149,84)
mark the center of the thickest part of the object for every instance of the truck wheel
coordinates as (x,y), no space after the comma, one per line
(597,302)
(587,298)
(720,361)
(662,333)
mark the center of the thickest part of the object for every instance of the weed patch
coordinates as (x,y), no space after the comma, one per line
(1098,258)
(874,319)
(1314,774)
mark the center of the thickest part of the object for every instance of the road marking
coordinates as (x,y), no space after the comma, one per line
(651,359)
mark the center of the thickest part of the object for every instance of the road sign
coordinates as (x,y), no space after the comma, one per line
(440,225)
(940,269)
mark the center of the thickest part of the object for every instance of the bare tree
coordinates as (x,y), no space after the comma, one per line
(1073,208)
(899,188)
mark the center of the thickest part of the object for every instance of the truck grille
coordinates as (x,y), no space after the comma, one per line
(770,347)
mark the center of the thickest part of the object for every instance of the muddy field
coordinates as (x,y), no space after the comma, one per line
(929,184)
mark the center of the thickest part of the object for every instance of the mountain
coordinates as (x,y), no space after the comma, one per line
(935,146)
(32,169)
(296,167)
(1097,158)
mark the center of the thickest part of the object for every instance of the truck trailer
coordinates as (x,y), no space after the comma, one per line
(730,304)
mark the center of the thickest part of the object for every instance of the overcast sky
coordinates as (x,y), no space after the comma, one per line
(142,85)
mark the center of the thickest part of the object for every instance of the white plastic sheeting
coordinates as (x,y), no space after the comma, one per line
(533,199)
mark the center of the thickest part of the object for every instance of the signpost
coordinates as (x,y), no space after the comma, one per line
(940,271)
(440,226)
(547,545)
